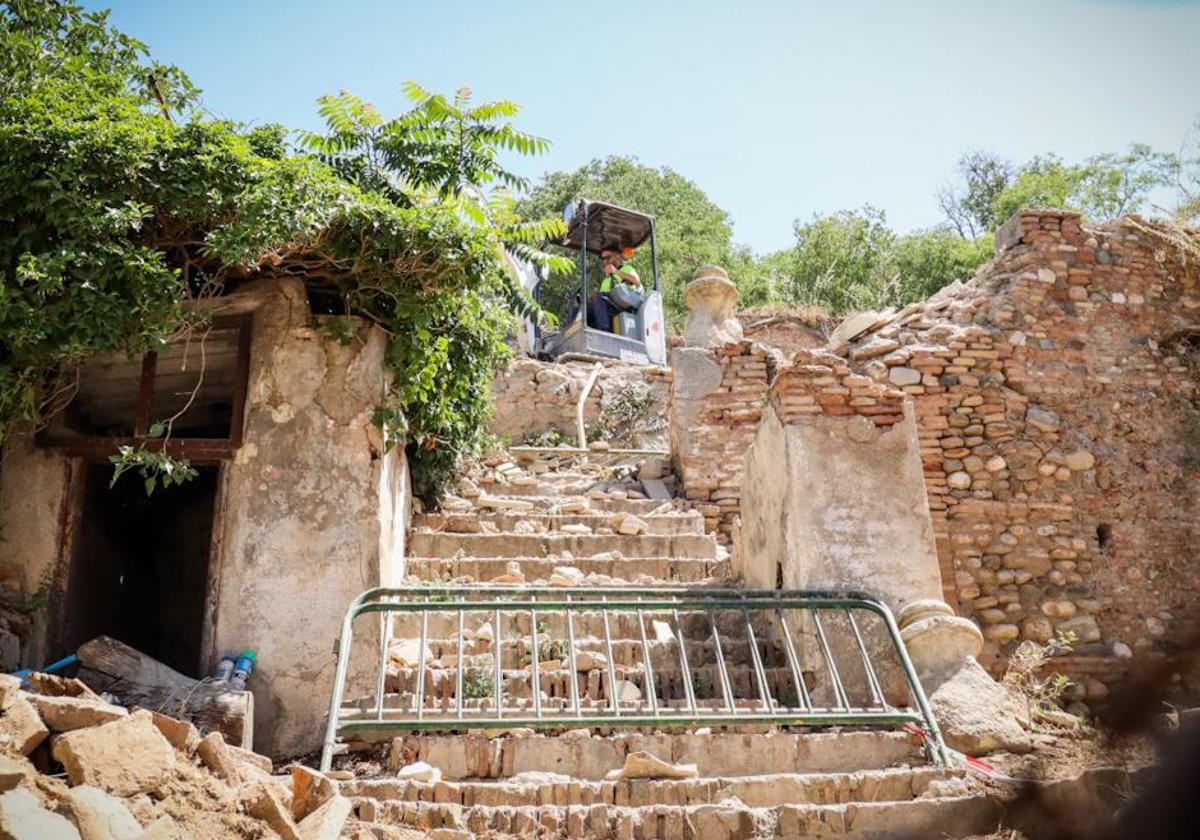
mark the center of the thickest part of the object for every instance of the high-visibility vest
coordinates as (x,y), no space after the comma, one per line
(623,268)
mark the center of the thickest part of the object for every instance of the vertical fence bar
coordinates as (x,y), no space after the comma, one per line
(574,675)
(458,671)
(688,689)
(613,694)
(651,693)
(726,687)
(385,621)
(868,670)
(794,661)
(419,699)
(497,655)
(537,677)
(839,691)
(759,673)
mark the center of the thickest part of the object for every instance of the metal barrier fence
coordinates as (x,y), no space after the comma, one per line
(496,657)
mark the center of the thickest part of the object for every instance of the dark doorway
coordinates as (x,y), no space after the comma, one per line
(139,570)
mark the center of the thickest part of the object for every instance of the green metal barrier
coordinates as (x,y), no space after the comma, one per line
(758,657)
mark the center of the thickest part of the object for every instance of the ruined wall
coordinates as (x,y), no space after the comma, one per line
(531,397)
(833,496)
(1058,416)
(1058,434)
(716,403)
(312,515)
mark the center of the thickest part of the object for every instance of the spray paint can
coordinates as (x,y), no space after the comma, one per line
(224,669)
(242,670)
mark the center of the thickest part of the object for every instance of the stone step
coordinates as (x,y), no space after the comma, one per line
(644,571)
(695,625)
(542,545)
(716,754)
(784,788)
(940,817)
(501,500)
(684,522)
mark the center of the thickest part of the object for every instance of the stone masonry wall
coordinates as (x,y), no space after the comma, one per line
(532,397)
(1059,438)
(819,383)
(1058,415)
(716,404)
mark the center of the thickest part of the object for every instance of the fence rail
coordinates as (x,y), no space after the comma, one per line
(486,657)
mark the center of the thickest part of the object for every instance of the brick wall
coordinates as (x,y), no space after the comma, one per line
(714,425)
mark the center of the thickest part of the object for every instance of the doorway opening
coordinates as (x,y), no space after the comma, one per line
(140,566)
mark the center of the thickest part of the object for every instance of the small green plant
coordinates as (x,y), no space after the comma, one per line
(155,467)
(1040,693)
(40,597)
(478,685)
(549,438)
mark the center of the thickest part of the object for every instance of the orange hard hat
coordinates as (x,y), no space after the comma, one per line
(627,253)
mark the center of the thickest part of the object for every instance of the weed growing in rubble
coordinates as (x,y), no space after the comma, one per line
(549,438)
(628,413)
(1040,693)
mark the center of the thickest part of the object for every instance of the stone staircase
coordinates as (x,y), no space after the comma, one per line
(749,781)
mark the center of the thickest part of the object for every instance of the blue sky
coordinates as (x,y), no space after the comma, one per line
(776,109)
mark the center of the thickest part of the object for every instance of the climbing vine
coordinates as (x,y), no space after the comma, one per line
(120,204)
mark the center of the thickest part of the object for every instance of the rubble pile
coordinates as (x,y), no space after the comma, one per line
(75,767)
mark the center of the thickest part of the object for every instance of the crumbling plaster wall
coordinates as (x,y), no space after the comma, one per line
(35,516)
(716,402)
(836,501)
(313,513)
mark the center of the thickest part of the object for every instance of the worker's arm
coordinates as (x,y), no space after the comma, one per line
(629,277)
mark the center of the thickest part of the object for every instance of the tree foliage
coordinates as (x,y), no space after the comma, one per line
(851,260)
(1103,187)
(970,206)
(690,229)
(118,206)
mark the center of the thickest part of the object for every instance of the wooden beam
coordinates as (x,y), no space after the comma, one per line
(136,679)
(141,418)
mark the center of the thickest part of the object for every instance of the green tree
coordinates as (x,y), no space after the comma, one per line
(969,207)
(1103,187)
(118,205)
(841,262)
(1044,181)
(690,229)
(927,260)
(851,260)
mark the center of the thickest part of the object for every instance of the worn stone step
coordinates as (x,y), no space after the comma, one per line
(643,571)
(784,788)
(520,545)
(685,522)
(556,503)
(716,754)
(695,625)
(941,817)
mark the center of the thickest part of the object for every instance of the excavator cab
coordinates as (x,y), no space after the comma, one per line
(637,333)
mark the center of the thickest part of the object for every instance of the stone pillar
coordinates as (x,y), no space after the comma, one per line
(938,641)
(711,299)
(717,388)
